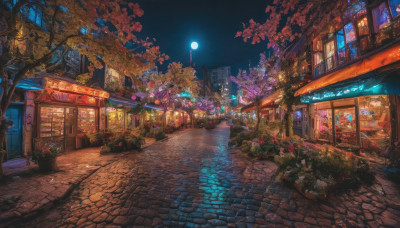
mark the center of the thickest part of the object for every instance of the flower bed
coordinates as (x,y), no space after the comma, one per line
(123,141)
(316,172)
(313,171)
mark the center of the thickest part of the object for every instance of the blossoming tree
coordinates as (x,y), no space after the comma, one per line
(170,85)
(256,85)
(32,32)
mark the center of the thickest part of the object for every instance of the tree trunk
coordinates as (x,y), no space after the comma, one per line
(289,122)
(164,122)
(3,132)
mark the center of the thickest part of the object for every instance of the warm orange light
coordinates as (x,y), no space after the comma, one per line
(65,86)
(373,62)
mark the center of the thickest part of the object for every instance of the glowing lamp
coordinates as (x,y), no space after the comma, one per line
(151,84)
(133,97)
(157,102)
(194,45)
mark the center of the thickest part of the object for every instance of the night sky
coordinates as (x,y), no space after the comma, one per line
(212,23)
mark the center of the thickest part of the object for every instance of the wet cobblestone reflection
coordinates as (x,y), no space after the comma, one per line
(194,180)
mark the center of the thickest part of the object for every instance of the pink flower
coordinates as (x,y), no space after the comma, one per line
(262,142)
(120,144)
(291,148)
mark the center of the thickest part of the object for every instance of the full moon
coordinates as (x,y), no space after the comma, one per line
(194,45)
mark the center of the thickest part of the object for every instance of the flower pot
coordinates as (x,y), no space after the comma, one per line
(47,164)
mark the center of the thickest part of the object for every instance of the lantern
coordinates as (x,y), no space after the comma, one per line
(133,97)
(218,108)
(151,84)
(157,102)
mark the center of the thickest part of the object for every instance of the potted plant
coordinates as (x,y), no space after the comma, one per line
(46,157)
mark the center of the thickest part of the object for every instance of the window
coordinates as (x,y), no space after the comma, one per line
(318,57)
(350,40)
(395,7)
(362,25)
(340,40)
(381,16)
(350,33)
(330,55)
(51,121)
(374,122)
(87,120)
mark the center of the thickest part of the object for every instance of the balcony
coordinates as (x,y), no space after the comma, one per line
(319,69)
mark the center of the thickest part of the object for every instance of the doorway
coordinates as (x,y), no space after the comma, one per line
(14,134)
(70,128)
(345,125)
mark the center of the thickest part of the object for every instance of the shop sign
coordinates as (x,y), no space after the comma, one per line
(111,110)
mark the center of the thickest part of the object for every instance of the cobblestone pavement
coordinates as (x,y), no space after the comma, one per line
(193,180)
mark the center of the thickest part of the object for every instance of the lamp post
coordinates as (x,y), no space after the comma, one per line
(193,46)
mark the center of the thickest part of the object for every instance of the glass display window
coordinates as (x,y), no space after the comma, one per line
(395,7)
(380,15)
(375,127)
(87,120)
(51,121)
(323,124)
(345,126)
(116,119)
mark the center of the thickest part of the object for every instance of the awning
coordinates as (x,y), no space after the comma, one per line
(372,62)
(115,99)
(369,84)
(29,84)
(153,107)
(268,101)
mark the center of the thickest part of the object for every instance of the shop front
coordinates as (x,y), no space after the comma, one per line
(362,121)
(118,115)
(359,112)
(66,114)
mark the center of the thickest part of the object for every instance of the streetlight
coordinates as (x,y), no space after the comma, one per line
(194,45)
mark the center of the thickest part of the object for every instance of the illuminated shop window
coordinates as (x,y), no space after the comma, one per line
(87,120)
(116,118)
(323,121)
(51,121)
(381,16)
(345,126)
(374,122)
(395,7)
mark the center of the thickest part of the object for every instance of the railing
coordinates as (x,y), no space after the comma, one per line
(330,63)
(319,69)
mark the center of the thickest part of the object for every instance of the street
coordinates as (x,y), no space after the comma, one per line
(193,179)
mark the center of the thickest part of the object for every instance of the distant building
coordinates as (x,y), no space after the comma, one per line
(220,79)
(207,89)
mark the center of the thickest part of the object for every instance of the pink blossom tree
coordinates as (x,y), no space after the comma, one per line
(256,85)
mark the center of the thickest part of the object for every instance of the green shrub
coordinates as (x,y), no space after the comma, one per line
(160,135)
(235,130)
